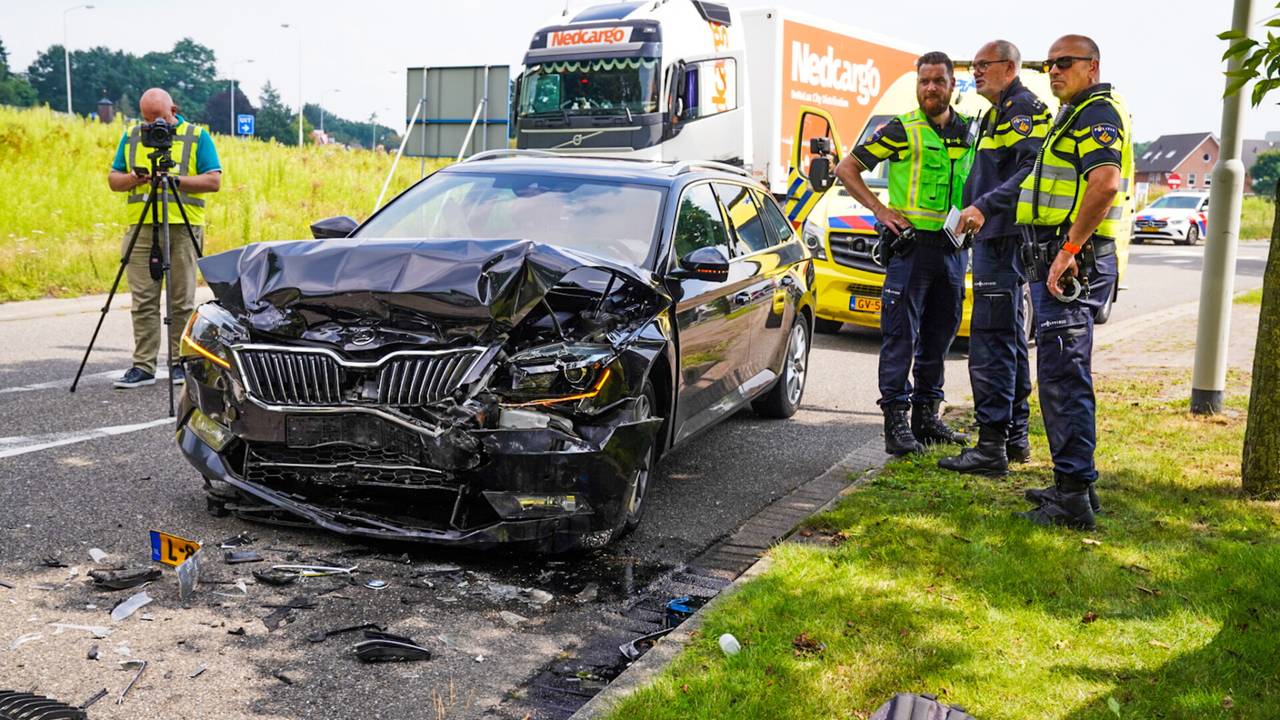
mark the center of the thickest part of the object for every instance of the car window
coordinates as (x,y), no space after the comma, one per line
(744,216)
(699,223)
(774,218)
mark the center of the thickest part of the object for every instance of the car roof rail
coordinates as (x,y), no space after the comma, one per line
(691,165)
(510,152)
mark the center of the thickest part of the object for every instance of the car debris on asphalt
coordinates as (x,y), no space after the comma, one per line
(141,665)
(236,541)
(318,637)
(315,570)
(130,606)
(277,578)
(124,579)
(634,649)
(198,671)
(381,646)
(98,555)
(97,631)
(6,585)
(235,557)
(93,699)
(24,639)
(93,653)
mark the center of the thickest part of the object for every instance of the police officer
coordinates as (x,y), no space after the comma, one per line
(1073,204)
(930,155)
(1009,139)
(197,172)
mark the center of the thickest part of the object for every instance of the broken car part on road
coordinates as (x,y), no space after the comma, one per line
(384,647)
(124,579)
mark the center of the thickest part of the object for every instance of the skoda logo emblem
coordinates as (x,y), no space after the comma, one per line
(577,139)
(363,336)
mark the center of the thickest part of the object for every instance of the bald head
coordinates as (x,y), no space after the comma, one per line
(1083,71)
(156,103)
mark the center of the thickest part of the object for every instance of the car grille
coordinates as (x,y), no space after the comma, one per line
(854,250)
(1149,222)
(865,290)
(279,467)
(307,378)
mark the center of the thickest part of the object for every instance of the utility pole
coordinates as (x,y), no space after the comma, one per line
(66,50)
(1217,281)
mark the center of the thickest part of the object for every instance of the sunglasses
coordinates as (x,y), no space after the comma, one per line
(982,65)
(1065,62)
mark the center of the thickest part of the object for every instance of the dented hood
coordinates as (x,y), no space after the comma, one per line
(472,288)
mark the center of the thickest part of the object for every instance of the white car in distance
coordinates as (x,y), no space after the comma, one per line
(1178,216)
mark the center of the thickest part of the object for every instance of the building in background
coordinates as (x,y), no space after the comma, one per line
(1249,152)
(1178,162)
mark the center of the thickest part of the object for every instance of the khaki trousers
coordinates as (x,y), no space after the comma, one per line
(148,322)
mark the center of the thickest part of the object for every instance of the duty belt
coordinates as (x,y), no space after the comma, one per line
(1102,247)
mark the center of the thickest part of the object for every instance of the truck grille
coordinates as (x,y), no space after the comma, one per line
(307,378)
(854,250)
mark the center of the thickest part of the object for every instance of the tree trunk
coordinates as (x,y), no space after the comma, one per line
(1260,470)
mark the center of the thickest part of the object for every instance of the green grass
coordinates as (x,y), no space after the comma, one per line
(1256,216)
(61,228)
(1251,297)
(923,581)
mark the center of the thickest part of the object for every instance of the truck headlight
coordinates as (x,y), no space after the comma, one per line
(210,333)
(813,233)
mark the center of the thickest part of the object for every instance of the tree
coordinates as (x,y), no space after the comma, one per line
(14,89)
(1260,466)
(1265,172)
(274,120)
(217,110)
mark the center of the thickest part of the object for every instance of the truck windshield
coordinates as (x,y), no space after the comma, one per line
(590,87)
(614,220)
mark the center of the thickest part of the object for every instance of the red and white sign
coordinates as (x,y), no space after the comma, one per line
(1174,181)
(587,36)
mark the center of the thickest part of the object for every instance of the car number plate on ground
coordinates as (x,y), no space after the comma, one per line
(171,549)
(864,304)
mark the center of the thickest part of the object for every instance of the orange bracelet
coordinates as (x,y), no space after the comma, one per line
(1071,248)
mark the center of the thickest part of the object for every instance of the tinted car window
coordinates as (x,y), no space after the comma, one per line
(613,220)
(775,219)
(745,218)
(699,223)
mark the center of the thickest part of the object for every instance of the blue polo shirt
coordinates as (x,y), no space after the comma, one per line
(206,153)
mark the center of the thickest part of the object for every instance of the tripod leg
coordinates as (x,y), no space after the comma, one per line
(168,286)
(124,262)
(186,223)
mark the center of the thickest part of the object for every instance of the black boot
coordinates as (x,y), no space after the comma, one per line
(1070,507)
(1018,449)
(898,439)
(988,458)
(929,428)
(1040,496)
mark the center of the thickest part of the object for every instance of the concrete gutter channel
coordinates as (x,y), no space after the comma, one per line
(740,557)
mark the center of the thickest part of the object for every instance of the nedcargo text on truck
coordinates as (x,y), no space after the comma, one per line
(828,71)
(596,36)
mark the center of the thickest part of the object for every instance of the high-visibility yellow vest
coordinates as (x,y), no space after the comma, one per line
(185,153)
(930,181)
(1051,194)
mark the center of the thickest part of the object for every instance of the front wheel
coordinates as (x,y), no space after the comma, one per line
(1193,236)
(783,399)
(646,406)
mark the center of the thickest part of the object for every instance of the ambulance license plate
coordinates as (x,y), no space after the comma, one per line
(864,304)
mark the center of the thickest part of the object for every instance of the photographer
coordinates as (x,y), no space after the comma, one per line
(197,172)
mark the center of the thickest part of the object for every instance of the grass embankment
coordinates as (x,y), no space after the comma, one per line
(1256,215)
(61,228)
(923,581)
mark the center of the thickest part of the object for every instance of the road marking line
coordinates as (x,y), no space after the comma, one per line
(66,383)
(23,444)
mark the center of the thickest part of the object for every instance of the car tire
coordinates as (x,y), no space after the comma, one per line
(783,399)
(1193,236)
(827,327)
(1103,314)
(646,407)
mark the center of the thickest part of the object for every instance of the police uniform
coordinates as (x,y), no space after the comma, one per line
(1009,139)
(1092,131)
(194,154)
(923,295)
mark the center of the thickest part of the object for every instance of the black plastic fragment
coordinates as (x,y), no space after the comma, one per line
(235,557)
(4,584)
(323,635)
(95,698)
(634,649)
(381,646)
(124,579)
(278,578)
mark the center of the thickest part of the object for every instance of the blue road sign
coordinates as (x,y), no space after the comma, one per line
(244,124)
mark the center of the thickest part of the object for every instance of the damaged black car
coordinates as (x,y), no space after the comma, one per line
(499,355)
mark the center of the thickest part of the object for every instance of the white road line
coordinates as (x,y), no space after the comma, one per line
(65,383)
(23,444)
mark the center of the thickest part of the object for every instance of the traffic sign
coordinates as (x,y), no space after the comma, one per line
(1174,181)
(244,124)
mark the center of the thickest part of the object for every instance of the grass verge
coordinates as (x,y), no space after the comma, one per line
(923,581)
(1252,297)
(1256,216)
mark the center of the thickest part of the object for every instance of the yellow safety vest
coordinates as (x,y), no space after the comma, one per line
(185,153)
(1050,195)
(927,184)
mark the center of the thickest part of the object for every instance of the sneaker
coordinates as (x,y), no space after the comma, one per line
(135,377)
(178,375)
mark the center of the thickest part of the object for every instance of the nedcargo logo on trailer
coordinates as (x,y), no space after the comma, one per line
(592,36)
(831,73)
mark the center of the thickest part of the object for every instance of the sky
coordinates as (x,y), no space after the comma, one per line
(1162,55)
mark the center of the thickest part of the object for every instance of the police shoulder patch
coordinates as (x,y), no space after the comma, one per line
(1021,124)
(1105,133)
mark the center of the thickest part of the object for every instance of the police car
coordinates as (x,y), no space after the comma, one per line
(1180,217)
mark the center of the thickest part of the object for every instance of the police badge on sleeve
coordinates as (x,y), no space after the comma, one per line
(1105,134)
(1021,125)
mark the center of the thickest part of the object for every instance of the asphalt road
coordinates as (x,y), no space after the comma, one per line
(99,469)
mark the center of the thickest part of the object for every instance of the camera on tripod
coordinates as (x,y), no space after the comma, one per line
(158,134)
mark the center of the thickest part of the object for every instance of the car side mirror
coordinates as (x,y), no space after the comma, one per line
(820,177)
(706,263)
(334,227)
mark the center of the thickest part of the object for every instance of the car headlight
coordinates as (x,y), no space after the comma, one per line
(1178,221)
(210,333)
(563,372)
(812,233)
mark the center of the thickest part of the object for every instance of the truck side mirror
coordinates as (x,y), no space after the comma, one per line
(334,227)
(820,177)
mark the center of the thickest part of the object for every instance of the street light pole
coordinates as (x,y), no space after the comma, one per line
(373,130)
(232,126)
(1217,282)
(290,27)
(66,51)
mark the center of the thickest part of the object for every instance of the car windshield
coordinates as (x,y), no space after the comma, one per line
(614,220)
(1177,202)
(591,87)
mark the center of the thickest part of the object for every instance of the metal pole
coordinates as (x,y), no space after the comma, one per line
(231,128)
(422,154)
(66,50)
(404,140)
(1217,282)
(484,131)
(467,140)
